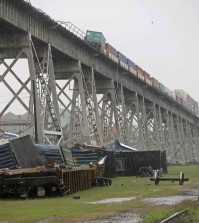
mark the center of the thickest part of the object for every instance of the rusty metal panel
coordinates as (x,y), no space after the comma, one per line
(78,180)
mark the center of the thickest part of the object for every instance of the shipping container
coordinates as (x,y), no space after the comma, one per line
(121,57)
(173,95)
(124,65)
(139,69)
(184,103)
(154,82)
(96,39)
(167,91)
(141,76)
(131,63)
(148,82)
(134,72)
(115,59)
(139,72)
(161,87)
(188,98)
(130,69)
(110,50)
(125,161)
(178,98)
(146,75)
(181,93)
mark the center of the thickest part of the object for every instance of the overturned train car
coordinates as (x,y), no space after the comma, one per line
(28,170)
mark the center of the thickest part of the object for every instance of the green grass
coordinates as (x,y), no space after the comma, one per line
(67,209)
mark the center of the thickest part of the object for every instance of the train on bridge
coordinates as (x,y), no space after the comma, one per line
(106,95)
(97,40)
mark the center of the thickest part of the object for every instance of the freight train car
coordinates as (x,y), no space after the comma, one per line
(122,60)
(97,40)
(111,52)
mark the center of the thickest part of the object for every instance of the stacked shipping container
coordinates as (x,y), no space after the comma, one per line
(111,52)
(97,38)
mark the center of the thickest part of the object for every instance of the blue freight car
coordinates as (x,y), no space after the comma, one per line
(121,57)
(131,63)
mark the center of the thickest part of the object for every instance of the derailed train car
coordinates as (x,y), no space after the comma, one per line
(27,170)
(123,160)
(45,181)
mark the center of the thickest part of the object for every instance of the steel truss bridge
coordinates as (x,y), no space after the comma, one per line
(103,100)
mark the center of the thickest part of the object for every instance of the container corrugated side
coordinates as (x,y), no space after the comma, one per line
(110,49)
(140,76)
(148,82)
(173,95)
(115,59)
(121,57)
(139,69)
(131,63)
(161,87)
(96,37)
(181,93)
(124,65)
(154,82)
(146,75)
(139,72)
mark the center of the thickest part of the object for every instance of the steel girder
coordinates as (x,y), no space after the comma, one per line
(99,110)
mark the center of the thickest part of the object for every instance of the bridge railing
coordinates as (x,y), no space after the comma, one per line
(72,28)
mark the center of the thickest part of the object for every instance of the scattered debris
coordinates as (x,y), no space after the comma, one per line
(175,216)
(77,197)
(145,171)
(29,170)
(102,181)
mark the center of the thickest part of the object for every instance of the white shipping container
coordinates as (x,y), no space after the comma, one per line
(148,82)
(170,93)
(141,76)
(112,57)
(181,93)
(167,91)
(124,65)
(130,69)
(173,95)
(135,73)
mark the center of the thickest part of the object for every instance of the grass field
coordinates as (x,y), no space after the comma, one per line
(67,209)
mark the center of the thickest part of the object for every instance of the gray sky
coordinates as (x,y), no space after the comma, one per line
(161,36)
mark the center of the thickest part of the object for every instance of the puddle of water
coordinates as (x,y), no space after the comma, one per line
(111,200)
(123,218)
(169,200)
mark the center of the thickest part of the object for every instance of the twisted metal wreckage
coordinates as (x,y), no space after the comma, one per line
(26,171)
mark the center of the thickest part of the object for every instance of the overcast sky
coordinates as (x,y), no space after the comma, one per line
(161,36)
